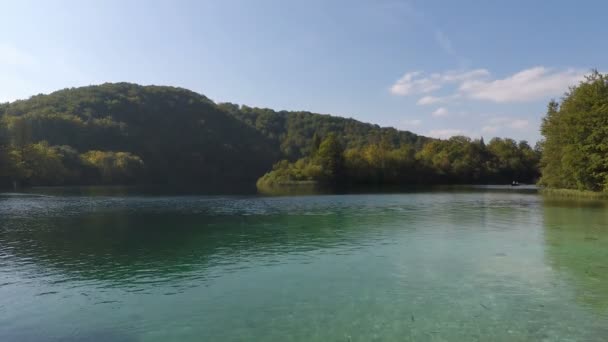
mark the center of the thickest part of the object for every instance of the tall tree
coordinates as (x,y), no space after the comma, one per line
(575,147)
(329,156)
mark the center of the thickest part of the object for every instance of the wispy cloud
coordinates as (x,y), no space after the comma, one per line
(429,99)
(417,82)
(441,111)
(526,85)
(411,84)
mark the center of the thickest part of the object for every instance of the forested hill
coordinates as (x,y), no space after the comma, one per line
(125,133)
(166,134)
(297,133)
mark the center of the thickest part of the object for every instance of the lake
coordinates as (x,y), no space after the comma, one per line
(458,265)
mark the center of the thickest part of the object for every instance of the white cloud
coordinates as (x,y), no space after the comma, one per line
(417,83)
(427,100)
(445,133)
(408,84)
(441,111)
(460,76)
(526,85)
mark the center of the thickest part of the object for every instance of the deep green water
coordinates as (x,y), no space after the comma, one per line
(429,266)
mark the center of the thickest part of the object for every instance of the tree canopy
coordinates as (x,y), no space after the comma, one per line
(299,133)
(176,136)
(575,147)
(122,133)
(458,160)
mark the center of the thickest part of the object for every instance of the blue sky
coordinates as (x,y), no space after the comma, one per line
(439,68)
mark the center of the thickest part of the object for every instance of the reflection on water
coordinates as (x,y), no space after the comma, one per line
(576,234)
(442,265)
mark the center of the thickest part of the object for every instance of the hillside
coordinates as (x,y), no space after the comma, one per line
(179,135)
(294,132)
(126,133)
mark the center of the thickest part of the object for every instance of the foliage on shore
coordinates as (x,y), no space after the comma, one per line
(575,147)
(458,160)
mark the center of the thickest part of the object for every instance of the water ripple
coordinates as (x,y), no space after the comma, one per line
(453,265)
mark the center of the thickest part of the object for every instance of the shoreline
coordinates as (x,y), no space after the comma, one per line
(571,193)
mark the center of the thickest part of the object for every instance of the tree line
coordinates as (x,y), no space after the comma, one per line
(458,160)
(122,133)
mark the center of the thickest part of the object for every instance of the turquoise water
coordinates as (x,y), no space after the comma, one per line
(428,266)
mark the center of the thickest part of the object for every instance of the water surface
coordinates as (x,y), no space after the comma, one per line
(436,266)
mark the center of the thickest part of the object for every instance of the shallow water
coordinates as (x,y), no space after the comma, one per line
(427,266)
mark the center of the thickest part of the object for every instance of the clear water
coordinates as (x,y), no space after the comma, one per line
(436,266)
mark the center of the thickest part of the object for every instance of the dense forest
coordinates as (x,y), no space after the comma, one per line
(458,160)
(125,133)
(575,148)
(130,134)
(297,133)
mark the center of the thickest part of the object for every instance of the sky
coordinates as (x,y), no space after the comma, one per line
(437,68)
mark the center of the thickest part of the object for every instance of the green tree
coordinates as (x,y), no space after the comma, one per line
(115,167)
(330,158)
(40,164)
(575,147)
